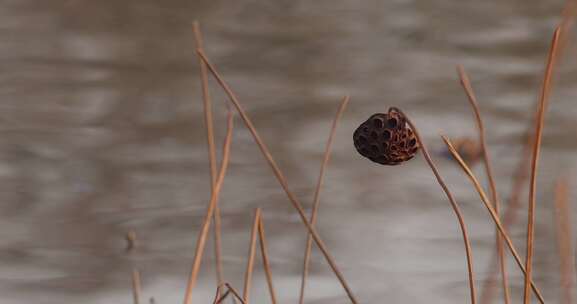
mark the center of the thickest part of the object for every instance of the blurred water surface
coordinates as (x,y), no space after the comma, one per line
(102,132)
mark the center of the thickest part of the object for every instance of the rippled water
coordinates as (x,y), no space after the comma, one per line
(102,132)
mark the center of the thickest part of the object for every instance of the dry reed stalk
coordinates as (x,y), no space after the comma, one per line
(201,240)
(466,83)
(265,261)
(228,292)
(211,151)
(316,200)
(136,287)
(280,177)
(563,227)
(251,254)
(454,205)
(235,293)
(223,297)
(545,91)
(520,175)
(218,299)
(217,293)
(492,212)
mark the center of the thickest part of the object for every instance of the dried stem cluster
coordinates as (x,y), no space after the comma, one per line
(492,202)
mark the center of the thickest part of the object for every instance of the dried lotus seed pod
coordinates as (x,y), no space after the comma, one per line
(386,138)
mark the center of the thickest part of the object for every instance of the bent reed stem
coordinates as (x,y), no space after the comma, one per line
(222,298)
(491,210)
(235,293)
(454,205)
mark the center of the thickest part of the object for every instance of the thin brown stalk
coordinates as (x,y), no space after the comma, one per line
(235,293)
(546,89)
(218,300)
(280,177)
(211,152)
(520,176)
(456,209)
(492,212)
(316,200)
(265,261)
(217,293)
(563,227)
(201,240)
(466,83)
(251,254)
(136,287)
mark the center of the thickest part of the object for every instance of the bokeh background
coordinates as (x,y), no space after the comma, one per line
(101,132)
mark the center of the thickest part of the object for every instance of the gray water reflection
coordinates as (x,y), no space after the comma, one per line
(102,133)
